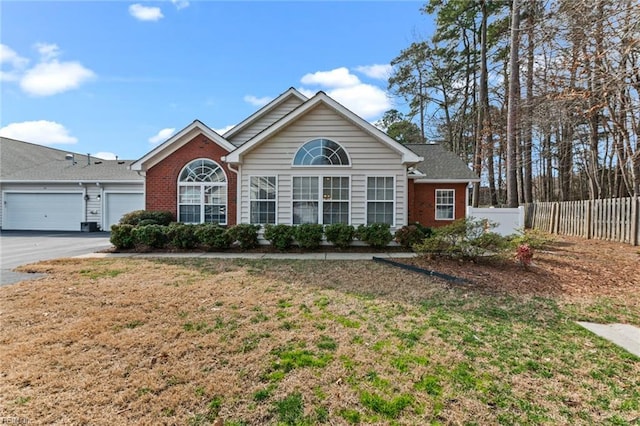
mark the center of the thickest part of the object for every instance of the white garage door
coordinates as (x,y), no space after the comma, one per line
(43,211)
(117,204)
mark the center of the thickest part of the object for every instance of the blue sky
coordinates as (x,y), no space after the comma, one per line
(120,77)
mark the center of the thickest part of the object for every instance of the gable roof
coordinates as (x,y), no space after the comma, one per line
(408,156)
(440,164)
(282,98)
(28,162)
(178,140)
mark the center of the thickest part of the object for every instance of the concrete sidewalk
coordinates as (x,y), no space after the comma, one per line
(624,335)
(291,256)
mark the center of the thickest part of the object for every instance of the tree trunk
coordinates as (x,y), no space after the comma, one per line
(512,109)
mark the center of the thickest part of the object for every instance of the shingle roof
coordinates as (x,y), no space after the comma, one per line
(24,161)
(440,163)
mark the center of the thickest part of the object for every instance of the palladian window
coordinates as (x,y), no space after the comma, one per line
(321,152)
(202,193)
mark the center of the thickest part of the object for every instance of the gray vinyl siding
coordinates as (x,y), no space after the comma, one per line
(369,157)
(265,121)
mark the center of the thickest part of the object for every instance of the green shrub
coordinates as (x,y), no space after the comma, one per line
(465,239)
(534,238)
(309,235)
(214,236)
(182,235)
(121,236)
(409,235)
(280,236)
(246,235)
(149,217)
(377,235)
(340,234)
(150,236)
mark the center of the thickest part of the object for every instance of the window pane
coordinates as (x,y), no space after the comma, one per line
(202,171)
(335,212)
(321,152)
(215,195)
(305,188)
(305,212)
(380,212)
(189,195)
(263,212)
(215,214)
(190,214)
(263,188)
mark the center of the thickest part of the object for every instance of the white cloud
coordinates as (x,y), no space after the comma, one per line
(377,71)
(339,77)
(15,61)
(50,78)
(103,155)
(47,51)
(255,101)
(180,4)
(223,130)
(162,135)
(145,13)
(366,100)
(42,132)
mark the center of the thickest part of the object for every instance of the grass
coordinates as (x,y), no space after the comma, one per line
(188,341)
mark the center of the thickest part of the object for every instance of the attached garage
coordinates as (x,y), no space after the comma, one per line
(43,211)
(119,203)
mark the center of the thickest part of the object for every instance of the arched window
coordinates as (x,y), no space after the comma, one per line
(321,152)
(202,193)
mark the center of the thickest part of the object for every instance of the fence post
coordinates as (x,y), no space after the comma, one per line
(635,218)
(555,218)
(587,218)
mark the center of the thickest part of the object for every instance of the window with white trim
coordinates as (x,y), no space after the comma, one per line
(262,200)
(202,193)
(380,199)
(321,152)
(445,204)
(309,199)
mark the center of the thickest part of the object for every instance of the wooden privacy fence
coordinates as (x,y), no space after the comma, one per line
(613,219)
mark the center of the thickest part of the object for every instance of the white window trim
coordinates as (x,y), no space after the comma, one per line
(342,166)
(366,197)
(275,200)
(435,203)
(202,185)
(320,199)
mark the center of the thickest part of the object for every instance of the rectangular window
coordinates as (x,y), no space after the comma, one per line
(445,204)
(189,201)
(215,204)
(308,203)
(335,200)
(305,200)
(380,196)
(262,199)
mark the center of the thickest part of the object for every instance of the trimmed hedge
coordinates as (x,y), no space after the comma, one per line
(147,217)
(246,235)
(213,237)
(377,235)
(280,236)
(340,234)
(309,235)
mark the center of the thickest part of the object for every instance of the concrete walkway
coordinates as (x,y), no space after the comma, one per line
(624,335)
(291,256)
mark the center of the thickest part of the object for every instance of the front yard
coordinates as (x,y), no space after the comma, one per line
(192,341)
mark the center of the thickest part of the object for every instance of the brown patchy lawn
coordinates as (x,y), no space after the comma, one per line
(192,341)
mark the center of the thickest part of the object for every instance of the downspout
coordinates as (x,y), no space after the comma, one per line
(238,185)
(143,173)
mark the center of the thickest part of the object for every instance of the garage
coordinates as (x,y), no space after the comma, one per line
(120,203)
(43,211)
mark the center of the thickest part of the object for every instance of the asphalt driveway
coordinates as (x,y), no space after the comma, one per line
(23,247)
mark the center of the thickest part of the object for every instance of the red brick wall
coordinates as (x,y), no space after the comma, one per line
(162,179)
(422,202)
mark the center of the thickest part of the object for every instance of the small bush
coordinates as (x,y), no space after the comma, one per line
(280,236)
(534,238)
(149,217)
(340,234)
(377,235)
(122,236)
(182,235)
(409,235)
(465,239)
(246,235)
(150,236)
(214,236)
(309,235)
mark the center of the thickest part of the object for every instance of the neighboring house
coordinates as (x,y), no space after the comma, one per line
(303,160)
(54,190)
